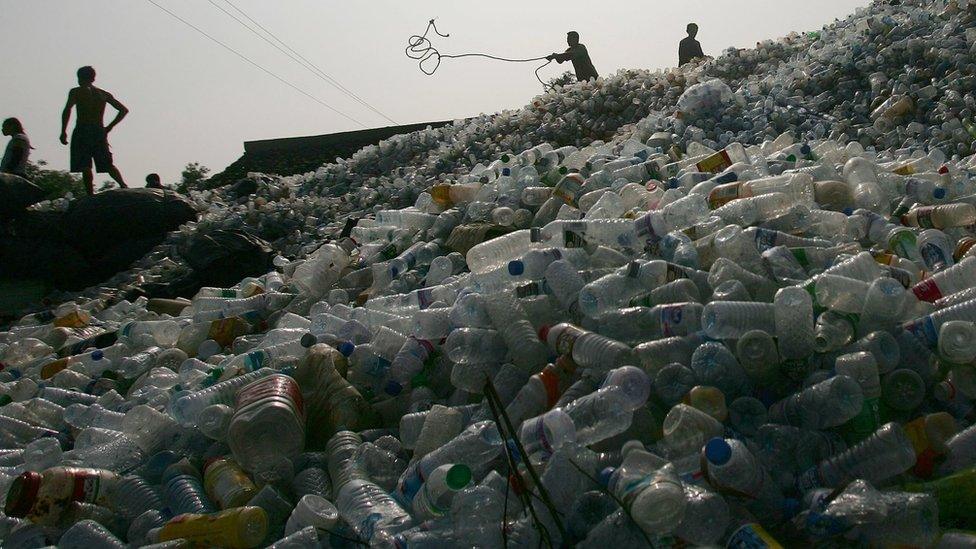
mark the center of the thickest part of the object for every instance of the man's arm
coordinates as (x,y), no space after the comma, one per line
(563,57)
(119,107)
(66,116)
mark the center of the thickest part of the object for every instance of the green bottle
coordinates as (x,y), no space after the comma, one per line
(956,495)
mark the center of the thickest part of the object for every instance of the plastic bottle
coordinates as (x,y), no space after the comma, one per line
(43,497)
(731,467)
(434,498)
(186,407)
(268,426)
(586,348)
(312,511)
(227,484)
(885,453)
(649,488)
(240,528)
(183,490)
(827,404)
(731,319)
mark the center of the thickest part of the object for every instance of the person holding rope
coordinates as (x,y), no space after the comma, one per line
(576,53)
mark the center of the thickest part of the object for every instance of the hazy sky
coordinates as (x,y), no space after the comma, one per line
(191,100)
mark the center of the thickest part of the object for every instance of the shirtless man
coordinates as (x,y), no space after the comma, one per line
(89,140)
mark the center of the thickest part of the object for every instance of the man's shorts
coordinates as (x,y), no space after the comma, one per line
(90,143)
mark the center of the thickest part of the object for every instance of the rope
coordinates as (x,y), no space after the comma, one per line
(296,57)
(421,49)
(255,64)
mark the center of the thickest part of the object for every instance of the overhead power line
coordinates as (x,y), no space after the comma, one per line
(296,56)
(255,64)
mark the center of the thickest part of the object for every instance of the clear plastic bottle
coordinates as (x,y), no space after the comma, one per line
(134,496)
(435,497)
(827,404)
(312,511)
(731,319)
(731,467)
(587,349)
(185,408)
(268,426)
(88,533)
(953,279)
(164,333)
(650,489)
(508,317)
(499,251)
(475,345)
(884,454)
(183,490)
(941,217)
(478,444)
(793,315)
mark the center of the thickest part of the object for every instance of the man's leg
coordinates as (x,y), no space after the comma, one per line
(117,176)
(89,178)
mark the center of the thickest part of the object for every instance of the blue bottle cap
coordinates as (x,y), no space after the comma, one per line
(346,348)
(516,267)
(97,354)
(393,388)
(605,475)
(939,193)
(513,450)
(506,171)
(718,451)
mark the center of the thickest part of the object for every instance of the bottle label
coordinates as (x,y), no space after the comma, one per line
(865,423)
(574,239)
(752,536)
(923,329)
(425,297)
(223,331)
(933,256)
(765,239)
(528,290)
(674,272)
(715,163)
(565,342)
(723,194)
(86,487)
(801,256)
(927,290)
(671,317)
(923,217)
(550,383)
(272,386)
(645,228)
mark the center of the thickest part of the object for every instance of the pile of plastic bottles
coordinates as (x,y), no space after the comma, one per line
(730,305)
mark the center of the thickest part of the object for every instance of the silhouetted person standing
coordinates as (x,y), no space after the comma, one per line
(153,181)
(89,140)
(689,48)
(576,53)
(18,149)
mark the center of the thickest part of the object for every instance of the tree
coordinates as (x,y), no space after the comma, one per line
(563,79)
(194,177)
(56,183)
